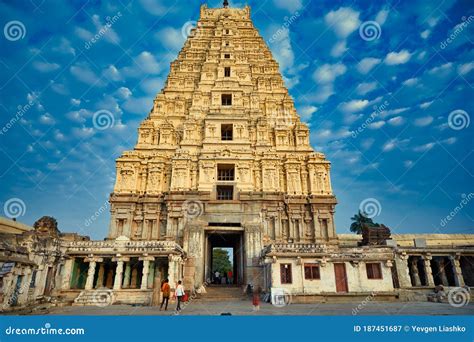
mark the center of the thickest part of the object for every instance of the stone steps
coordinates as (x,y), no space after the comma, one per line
(97,297)
(223,293)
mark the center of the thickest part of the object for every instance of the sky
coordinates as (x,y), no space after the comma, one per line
(385,87)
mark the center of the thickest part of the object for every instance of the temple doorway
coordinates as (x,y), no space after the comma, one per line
(224,258)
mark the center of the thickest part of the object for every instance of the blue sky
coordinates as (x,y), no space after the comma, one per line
(376,82)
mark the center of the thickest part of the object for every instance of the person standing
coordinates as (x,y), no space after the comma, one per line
(179,295)
(256,298)
(229,277)
(165,289)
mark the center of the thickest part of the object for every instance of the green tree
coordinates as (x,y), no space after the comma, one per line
(221,261)
(361,219)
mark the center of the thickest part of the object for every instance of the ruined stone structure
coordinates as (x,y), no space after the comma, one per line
(223,160)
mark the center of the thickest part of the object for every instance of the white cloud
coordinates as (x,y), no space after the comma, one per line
(344,21)
(396,121)
(424,148)
(376,125)
(79,115)
(306,112)
(154,7)
(45,66)
(338,49)
(83,33)
(424,121)
(112,73)
(382,16)
(354,106)
(152,85)
(75,102)
(367,143)
(289,5)
(396,58)
(425,34)
(425,105)
(442,70)
(110,35)
(64,46)
(408,163)
(466,68)
(47,119)
(410,82)
(59,136)
(140,105)
(449,141)
(367,64)
(387,113)
(83,132)
(327,73)
(281,47)
(144,63)
(171,38)
(325,76)
(392,143)
(389,145)
(365,88)
(123,93)
(84,74)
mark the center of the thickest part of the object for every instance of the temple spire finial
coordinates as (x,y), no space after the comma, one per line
(226,3)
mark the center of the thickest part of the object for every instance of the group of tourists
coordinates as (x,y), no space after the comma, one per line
(166,291)
(222,278)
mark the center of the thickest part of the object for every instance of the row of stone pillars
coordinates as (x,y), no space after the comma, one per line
(124,274)
(412,275)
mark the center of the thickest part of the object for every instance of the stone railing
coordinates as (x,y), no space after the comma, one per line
(118,246)
(300,248)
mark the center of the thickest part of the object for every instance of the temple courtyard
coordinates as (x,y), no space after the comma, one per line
(241,307)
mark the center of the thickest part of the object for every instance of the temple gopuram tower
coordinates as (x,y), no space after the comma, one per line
(223,160)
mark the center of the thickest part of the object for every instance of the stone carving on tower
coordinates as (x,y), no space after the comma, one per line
(224,129)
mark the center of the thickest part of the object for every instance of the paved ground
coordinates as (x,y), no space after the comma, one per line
(198,307)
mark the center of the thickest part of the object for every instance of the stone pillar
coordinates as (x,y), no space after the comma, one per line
(119,271)
(458,277)
(145,271)
(442,272)
(173,275)
(90,275)
(100,277)
(428,272)
(66,276)
(414,272)
(401,262)
(126,279)
(151,274)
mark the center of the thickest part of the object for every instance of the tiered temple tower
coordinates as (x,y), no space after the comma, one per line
(223,160)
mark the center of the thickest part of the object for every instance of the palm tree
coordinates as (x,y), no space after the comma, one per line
(361,220)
